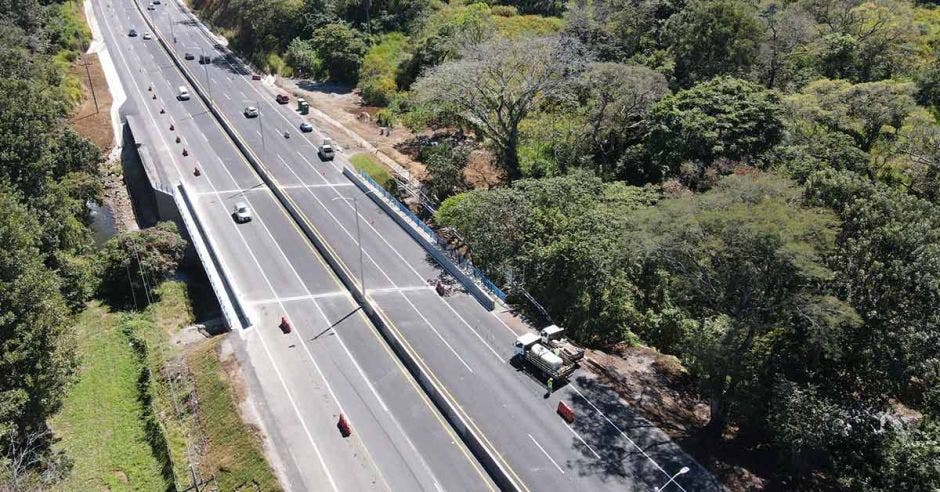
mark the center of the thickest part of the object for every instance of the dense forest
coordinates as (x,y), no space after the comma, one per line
(50,267)
(751,186)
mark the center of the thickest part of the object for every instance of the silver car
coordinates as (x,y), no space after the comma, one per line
(242,213)
(251,112)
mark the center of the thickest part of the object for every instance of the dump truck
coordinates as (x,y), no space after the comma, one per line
(528,348)
(553,337)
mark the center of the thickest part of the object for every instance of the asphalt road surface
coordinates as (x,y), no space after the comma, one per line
(333,362)
(466,348)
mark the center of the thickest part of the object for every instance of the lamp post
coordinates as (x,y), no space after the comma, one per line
(362,277)
(681,471)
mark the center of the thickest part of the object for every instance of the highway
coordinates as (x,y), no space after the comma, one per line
(333,362)
(465,348)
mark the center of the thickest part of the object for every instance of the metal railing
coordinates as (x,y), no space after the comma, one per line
(458,259)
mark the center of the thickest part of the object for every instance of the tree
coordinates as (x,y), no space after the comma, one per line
(617,100)
(340,49)
(724,118)
(445,165)
(379,67)
(36,356)
(744,262)
(865,111)
(302,57)
(139,260)
(495,85)
(788,27)
(714,37)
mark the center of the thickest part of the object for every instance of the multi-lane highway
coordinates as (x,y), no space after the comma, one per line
(403,443)
(333,361)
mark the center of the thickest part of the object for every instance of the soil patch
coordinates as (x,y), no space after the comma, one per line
(92,119)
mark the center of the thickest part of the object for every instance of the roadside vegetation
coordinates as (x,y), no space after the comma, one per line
(93,394)
(749,186)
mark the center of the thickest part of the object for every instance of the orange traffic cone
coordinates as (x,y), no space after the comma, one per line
(177,139)
(172,127)
(154,96)
(196,171)
(185,152)
(285,325)
(162,111)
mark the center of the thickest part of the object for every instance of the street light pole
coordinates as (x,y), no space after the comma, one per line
(681,471)
(206,67)
(260,125)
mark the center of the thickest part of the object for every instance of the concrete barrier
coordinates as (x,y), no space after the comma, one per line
(232,310)
(435,390)
(428,245)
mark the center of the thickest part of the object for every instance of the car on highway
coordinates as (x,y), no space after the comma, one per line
(241,213)
(306,127)
(132,33)
(147,35)
(156,2)
(282,99)
(325,151)
(251,112)
(189,56)
(205,59)
(182,93)
(151,7)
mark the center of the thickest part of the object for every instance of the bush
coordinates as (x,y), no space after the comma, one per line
(276,64)
(379,66)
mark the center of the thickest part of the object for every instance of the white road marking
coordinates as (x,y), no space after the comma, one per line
(400,289)
(308,297)
(624,434)
(546,454)
(582,440)
(227,96)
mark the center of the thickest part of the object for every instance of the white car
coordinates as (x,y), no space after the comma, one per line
(242,213)
(147,35)
(251,112)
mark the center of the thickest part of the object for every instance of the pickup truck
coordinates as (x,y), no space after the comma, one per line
(528,348)
(325,151)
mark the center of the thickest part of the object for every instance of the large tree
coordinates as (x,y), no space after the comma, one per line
(494,85)
(714,37)
(724,118)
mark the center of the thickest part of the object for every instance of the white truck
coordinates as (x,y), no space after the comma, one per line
(325,151)
(553,337)
(528,348)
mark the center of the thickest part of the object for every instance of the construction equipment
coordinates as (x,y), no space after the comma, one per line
(553,337)
(528,348)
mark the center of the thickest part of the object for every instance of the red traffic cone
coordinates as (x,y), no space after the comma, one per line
(185,152)
(285,325)
(196,171)
(177,139)
(343,426)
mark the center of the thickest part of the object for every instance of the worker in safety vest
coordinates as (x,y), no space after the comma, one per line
(550,383)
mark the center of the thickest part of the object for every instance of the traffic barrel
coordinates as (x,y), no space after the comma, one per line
(196,171)
(185,152)
(285,325)
(565,412)
(343,426)
(154,96)
(177,139)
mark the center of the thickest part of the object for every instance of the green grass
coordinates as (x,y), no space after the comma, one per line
(376,171)
(102,424)
(234,453)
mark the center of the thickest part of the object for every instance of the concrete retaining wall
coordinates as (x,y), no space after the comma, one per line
(471,436)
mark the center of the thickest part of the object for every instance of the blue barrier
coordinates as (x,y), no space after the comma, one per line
(457,258)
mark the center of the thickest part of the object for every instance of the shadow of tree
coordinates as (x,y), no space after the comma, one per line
(630,448)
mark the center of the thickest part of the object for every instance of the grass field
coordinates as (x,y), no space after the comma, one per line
(233,452)
(376,171)
(144,409)
(102,422)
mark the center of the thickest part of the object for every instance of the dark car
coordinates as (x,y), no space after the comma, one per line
(282,99)
(205,59)
(189,56)
(306,127)
(132,33)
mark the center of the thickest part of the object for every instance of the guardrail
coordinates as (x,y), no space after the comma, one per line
(453,262)
(464,427)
